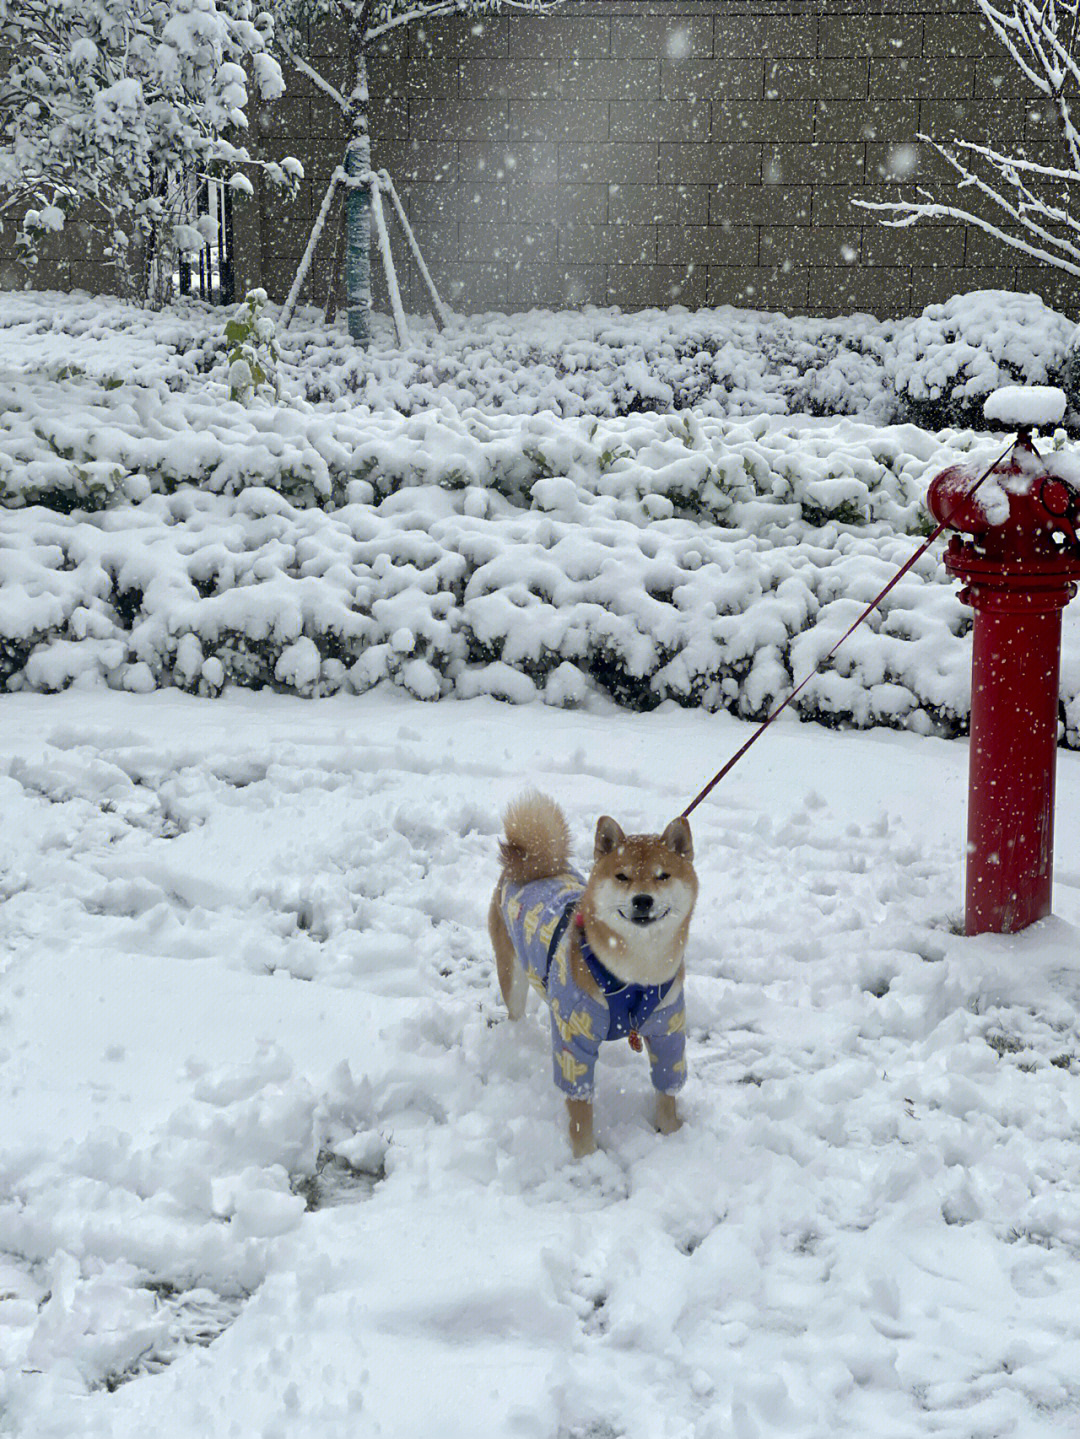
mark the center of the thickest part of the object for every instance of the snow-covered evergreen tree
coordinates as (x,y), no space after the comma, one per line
(363,24)
(109,109)
(1022,202)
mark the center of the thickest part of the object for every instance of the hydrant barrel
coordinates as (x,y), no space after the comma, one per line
(1016,648)
(1017,556)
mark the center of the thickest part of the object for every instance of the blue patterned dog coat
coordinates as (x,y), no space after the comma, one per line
(537,914)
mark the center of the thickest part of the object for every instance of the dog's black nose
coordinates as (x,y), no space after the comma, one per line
(642,903)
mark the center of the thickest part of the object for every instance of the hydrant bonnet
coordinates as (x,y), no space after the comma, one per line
(1023,512)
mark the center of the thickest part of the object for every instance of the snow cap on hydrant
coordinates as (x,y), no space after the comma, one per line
(1025,407)
(1016,551)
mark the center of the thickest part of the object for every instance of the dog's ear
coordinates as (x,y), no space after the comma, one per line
(608,836)
(677,837)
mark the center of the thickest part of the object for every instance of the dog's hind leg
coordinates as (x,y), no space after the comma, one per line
(512,981)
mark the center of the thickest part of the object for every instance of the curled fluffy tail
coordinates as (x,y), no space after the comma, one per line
(537,843)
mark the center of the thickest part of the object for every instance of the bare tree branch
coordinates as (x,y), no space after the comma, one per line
(313,75)
(1033,199)
(436,8)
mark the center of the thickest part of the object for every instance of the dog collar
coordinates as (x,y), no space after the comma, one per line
(629,1005)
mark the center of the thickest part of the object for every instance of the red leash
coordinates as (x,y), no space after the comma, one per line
(767,721)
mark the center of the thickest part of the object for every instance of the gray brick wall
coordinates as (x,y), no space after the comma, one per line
(637,152)
(658,152)
(70,261)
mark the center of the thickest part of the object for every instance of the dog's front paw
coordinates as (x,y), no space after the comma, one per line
(667,1114)
(582,1140)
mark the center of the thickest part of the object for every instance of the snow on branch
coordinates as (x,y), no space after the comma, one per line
(409,13)
(109,108)
(320,81)
(1032,198)
(1027,214)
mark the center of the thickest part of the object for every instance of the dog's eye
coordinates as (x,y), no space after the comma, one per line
(623,878)
(661,876)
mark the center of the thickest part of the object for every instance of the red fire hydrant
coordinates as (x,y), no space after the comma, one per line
(1019,562)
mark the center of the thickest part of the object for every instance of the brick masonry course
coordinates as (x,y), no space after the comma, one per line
(651,152)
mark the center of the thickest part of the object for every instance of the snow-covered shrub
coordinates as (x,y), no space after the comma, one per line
(154,532)
(601,362)
(713,362)
(943,363)
(252,351)
(723,363)
(81,440)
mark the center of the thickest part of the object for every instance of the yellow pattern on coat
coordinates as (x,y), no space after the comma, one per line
(572,1071)
(580,1022)
(531,920)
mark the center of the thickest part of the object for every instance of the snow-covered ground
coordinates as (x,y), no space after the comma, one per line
(257,1089)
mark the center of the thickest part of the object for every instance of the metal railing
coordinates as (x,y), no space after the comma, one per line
(210,275)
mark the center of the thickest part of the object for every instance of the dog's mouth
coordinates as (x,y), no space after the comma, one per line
(644,920)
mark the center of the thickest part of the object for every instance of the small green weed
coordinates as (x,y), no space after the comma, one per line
(253,352)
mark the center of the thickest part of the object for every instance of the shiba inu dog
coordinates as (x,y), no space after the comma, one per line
(605,953)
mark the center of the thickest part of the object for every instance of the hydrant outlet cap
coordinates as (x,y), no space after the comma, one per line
(1033,407)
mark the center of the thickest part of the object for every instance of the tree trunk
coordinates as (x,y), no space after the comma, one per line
(358,212)
(159,267)
(159,259)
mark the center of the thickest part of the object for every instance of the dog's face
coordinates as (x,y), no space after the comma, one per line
(640,897)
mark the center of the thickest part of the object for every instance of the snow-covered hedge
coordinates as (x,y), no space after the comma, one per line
(101,400)
(681,567)
(154,532)
(942,364)
(592,362)
(663,557)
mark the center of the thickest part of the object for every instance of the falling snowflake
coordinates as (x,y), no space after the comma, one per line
(678,44)
(902,160)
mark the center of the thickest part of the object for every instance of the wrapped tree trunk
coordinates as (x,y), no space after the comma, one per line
(358,212)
